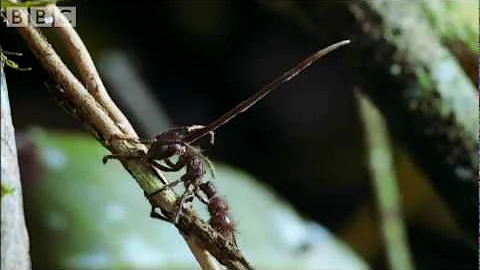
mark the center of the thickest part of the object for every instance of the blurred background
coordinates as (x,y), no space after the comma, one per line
(303,149)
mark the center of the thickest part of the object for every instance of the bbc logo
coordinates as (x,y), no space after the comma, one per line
(40,16)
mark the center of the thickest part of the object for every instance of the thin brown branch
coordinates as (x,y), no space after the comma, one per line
(88,108)
(88,72)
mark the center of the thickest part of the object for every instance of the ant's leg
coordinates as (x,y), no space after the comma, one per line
(129,139)
(197,127)
(194,127)
(169,185)
(186,196)
(156,215)
(185,131)
(211,133)
(137,155)
(175,166)
(210,167)
(209,164)
(163,167)
(200,197)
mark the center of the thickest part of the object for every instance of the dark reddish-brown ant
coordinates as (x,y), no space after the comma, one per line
(177,142)
(165,146)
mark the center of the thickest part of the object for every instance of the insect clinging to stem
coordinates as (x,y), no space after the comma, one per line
(178,142)
(164,147)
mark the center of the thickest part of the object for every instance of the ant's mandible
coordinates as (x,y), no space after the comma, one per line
(178,142)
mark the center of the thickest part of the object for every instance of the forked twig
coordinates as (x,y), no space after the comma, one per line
(100,118)
(88,72)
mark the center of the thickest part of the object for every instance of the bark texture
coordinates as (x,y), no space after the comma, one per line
(15,242)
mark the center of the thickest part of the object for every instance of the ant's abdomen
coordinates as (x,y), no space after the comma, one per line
(222,223)
(218,209)
(219,218)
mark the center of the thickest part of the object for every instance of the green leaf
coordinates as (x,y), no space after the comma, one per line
(6,190)
(36,3)
(96,217)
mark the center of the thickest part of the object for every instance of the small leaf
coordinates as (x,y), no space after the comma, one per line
(10,63)
(6,190)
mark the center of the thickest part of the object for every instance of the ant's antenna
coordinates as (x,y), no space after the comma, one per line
(267,89)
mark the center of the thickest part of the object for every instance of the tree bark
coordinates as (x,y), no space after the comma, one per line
(15,242)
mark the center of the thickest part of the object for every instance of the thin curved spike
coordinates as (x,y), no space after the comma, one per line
(249,102)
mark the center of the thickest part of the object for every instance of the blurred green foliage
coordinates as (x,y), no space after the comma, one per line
(83,214)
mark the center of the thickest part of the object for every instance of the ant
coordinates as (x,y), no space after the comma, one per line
(178,142)
(167,145)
